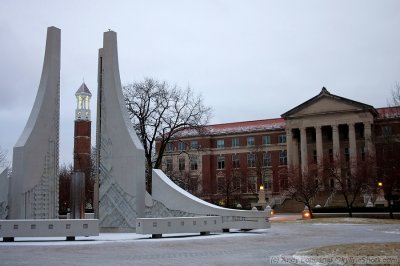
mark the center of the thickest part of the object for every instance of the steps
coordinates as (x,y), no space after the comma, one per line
(339,201)
(289,206)
(292,206)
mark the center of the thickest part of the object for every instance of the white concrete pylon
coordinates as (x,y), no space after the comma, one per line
(121,159)
(34,182)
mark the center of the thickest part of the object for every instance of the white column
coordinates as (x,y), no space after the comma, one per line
(369,146)
(336,149)
(319,147)
(303,149)
(289,145)
(352,148)
(335,143)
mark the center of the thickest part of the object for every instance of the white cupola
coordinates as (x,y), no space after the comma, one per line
(83,96)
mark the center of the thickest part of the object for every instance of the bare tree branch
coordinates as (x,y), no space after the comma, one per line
(158,111)
(3,157)
(388,156)
(304,186)
(352,183)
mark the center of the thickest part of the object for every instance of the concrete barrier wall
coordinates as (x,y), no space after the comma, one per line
(178,225)
(49,228)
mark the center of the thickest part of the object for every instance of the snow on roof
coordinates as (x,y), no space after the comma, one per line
(235,128)
(261,125)
(388,112)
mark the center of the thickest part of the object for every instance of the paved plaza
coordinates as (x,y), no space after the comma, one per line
(235,248)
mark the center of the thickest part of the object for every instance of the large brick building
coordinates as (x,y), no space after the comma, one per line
(229,162)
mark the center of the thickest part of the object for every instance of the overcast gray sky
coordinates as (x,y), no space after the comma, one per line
(249,59)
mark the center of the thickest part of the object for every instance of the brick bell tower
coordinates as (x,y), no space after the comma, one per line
(82,150)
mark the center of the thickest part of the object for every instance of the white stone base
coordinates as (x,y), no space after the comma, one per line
(169,225)
(48,228)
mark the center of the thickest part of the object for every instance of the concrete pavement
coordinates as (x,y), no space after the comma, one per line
(236,248)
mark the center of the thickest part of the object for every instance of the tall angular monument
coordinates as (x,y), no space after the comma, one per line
(34,182)
(120,154)
(122,197)
(4,183)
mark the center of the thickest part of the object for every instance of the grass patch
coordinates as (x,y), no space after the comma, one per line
(342,220)
(365,249)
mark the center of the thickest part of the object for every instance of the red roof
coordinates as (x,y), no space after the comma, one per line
(236,127)
(388,112)
(264,125)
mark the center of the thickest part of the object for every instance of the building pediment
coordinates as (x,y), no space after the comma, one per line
(327,103)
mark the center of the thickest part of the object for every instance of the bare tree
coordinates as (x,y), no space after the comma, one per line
(229,186)
(352,183)
(65,173)
(185,180)
(389,171)
(3,156)
(394,101)
(259,163)
(388,156)
(159,111)
(304,186)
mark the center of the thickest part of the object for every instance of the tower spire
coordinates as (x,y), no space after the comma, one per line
(83,96)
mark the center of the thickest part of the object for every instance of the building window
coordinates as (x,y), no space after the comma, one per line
(169,165)
(283,182)
(250,141)
(194,163)
(220,143)
(194,184)
(332,183)
(282,139)
(330,155)
(252,184)
(235,161)
(169,147)
(251,160)
(326,135)
(236,184)
(282,158)
(181,164)
(181,146)
(359,131)
(347,154)
(386,131)
(315,156)
(221,162)
(267,159)
(363,153)
(267,180)
(235,142)
(266,139)
(194,145)
(220,184)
